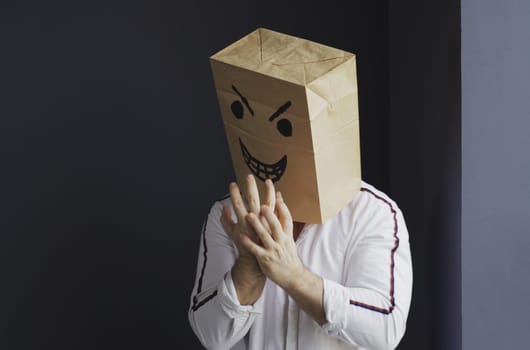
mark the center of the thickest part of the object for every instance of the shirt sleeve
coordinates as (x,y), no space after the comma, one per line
(369,308)
(215,314)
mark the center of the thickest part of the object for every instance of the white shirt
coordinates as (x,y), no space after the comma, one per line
(363,256)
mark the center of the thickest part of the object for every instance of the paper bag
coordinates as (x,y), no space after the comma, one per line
(290,112)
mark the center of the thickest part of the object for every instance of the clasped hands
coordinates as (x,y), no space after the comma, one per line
(263,234)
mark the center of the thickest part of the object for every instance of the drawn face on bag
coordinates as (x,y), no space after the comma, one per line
(240,109)
(289,109)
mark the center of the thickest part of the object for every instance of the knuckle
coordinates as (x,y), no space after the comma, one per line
(238,201)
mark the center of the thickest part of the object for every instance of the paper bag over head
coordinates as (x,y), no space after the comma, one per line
(290,112)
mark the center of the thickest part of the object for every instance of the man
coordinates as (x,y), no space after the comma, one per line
(266,282)
(329,266)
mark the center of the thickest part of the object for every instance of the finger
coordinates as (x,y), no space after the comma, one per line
(270,198)
(252,247)
(275,226)
(284,215)
(253,194)
(264,223)
(237,202)
(264,235)
(226,220)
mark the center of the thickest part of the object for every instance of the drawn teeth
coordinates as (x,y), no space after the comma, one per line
(262,170)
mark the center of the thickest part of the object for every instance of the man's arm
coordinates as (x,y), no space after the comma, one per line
(215,315)
(278,258)
(248,278)
(369,309)
(229,282)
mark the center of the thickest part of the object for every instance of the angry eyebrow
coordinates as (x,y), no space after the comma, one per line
(280,110)
(245,101)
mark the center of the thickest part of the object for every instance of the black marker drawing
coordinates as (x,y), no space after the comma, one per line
(262,170)
(237,109)
(280,110)
(284,125)
(245,101)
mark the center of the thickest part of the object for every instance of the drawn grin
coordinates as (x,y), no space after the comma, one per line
(262,170)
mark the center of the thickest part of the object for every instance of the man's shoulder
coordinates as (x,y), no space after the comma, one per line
(374,194)
(370,199)
(223,200)
(218,204)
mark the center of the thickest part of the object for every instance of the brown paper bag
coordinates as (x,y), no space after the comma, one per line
(290,112)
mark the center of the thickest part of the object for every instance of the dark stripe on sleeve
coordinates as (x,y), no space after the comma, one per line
(388,310)
(204,255)
(196,303)
(195,307)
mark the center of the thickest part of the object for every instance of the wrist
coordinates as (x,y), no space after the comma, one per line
(248,280)
(307,290)
(302,281)
(248,265)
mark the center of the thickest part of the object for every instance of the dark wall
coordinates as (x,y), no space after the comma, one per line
(496,173)
(112,150)
(425,161)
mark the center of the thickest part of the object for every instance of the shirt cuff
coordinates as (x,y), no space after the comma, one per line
(335,300)
(230,303)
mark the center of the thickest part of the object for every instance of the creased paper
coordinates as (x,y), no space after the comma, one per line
(290,110)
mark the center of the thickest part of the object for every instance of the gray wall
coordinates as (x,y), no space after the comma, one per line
(496,173)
